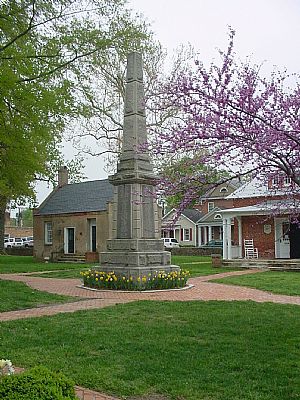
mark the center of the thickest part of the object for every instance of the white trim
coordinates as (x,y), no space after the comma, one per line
(168,213)
(92,222)
(240,251)
(199,235)
(208,215)
(46,232)
(277,224)
(66,238)
(209,209)
(177,222)
(223,189)
(189,235)
(218,216)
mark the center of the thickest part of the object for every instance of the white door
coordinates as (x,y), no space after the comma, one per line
(69,240)
(92,235)
(282,240)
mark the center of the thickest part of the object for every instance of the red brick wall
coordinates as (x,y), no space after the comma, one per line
(248,201)
(253,228)
(16,231)
(221,203)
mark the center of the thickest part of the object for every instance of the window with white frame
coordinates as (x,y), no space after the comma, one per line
(287,181)
(276,181)
(48,232)
(186,235)
(210,206)
(223,189)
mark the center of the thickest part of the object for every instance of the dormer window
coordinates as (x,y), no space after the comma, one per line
(281,181)
(223,189)
(218,216)
(276,181)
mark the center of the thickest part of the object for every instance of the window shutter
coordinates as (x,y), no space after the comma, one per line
(181,234)
(191,234)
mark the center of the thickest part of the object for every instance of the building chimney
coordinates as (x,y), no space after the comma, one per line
(62,176)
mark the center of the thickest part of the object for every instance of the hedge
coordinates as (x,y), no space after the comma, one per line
(37,384)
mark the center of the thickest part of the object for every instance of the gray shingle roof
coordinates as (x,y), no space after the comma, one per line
(192,214)
(78,197)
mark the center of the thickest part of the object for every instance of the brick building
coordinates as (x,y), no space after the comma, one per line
(13,231)
(263,214)
(75,219)
(203,223)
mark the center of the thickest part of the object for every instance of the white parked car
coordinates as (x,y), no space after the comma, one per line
(170,243)
(7,243)
(13,242)
(27,241)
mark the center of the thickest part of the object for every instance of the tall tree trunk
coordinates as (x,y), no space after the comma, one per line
(3,204)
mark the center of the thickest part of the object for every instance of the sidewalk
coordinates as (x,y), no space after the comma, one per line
(203,290)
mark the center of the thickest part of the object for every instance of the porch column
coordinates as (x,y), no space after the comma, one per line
(199,235)
(225,247)
(209,233)
(205,234)
(229,238)
(176,235)
(239,219)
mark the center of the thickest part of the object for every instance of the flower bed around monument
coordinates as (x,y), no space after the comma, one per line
(160,280)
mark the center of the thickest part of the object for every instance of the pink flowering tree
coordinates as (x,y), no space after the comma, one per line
(233,118)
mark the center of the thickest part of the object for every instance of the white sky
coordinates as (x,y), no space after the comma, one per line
(267,30)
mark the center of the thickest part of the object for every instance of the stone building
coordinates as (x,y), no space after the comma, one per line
(74,222)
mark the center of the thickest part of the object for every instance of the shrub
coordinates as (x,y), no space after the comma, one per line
(37,384)
(158,280)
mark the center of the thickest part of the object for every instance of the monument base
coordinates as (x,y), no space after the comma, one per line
(136,257)
(134,271)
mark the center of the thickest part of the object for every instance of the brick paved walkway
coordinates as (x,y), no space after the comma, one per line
(87,299)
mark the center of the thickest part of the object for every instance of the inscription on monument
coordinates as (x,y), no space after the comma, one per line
(124,228)
(148,212)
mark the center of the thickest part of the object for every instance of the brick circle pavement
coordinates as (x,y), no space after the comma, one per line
(202,290)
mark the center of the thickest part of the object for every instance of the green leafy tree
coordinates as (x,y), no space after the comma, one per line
(46,47)
(27,218)
(184,180)
(104,94)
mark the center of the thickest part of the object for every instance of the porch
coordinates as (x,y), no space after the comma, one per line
(267,224)
(272,265)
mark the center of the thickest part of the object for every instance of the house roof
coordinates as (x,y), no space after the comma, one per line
(257,188)
(78,197)
(267,207)
(216,192)
(192,214)
(210,217)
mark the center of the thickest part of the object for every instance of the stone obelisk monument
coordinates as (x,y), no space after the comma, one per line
(136,248)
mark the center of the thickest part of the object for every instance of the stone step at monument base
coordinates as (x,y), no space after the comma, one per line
(140,259)
(134,271)
(135,245)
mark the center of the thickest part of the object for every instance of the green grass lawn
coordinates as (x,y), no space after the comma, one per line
(197,265)
(16,264)
(17,296)
(275,282)
(190,351)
